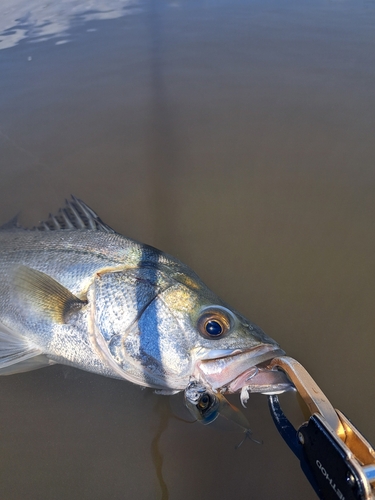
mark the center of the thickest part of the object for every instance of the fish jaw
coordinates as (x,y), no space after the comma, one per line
(263,380)
(231,370)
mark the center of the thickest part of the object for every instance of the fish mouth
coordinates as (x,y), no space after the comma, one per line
(233,369)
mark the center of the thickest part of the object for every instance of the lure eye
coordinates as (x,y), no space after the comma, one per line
(214,324)
(204,402)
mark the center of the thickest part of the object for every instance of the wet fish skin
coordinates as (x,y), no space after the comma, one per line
(73,291)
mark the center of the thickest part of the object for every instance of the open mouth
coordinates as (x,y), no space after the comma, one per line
(232,370)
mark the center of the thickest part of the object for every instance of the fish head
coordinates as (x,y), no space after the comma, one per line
(225,348)
(159,325)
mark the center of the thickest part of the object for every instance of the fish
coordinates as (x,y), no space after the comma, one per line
(76,292)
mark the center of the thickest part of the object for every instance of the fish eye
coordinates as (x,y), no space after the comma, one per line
(213,324)
(214,328)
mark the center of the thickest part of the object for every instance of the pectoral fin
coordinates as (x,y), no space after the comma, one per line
(18,355)
(44,295)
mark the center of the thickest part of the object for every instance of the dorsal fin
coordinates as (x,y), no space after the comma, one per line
(12,224)
(75,215)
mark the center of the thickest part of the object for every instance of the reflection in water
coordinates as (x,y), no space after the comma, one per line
(37,20)
(163,414)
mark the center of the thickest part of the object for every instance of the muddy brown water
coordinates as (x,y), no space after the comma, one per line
(239,137)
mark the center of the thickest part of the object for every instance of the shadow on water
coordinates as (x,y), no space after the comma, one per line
(162,156)
(163,143)
(148,317)
(150,351)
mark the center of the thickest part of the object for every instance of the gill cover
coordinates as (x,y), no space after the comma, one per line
(134,328)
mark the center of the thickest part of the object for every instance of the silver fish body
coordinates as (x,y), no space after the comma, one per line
(73,291)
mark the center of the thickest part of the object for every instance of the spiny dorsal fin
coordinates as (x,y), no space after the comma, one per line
(75,215)
(44,295)
(11,225)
